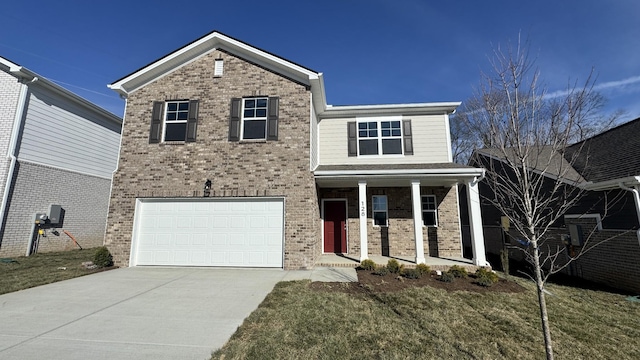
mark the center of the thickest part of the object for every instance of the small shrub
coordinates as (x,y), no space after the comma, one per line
(411,273)
(423,269)
(447,277)
(102,257)
(381,271)
(393,266)
(486,277)
(458,271)
(368,265)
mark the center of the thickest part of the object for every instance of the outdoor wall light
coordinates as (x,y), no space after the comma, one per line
(207,188)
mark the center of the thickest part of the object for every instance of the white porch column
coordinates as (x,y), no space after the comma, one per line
(417,220)
(475,222)
(362,210)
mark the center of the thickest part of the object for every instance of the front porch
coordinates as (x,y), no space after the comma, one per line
(436,263)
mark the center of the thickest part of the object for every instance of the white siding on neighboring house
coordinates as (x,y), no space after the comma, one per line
(62,134)
(430,143)
(9,95)
(314,138)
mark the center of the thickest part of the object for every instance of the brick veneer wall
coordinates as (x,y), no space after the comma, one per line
(273,168)
(397,239)
(613,262)
(35,188)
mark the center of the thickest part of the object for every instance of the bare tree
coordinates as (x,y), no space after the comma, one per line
(524,132)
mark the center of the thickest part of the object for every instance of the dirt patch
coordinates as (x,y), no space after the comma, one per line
(369,282)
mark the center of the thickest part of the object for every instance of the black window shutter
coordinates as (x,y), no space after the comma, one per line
(352,131)
(192,121)
(272,119)
(234,120)
(407,137)
(156,122)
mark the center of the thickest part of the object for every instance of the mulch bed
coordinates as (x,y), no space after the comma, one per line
(371,283)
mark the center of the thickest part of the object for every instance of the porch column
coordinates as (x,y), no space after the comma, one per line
(362,210)
(417,220)
(475,222)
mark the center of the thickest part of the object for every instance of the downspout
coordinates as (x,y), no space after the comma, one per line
(636,199)
(17,122)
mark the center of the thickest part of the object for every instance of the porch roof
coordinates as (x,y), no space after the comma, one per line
(433,174)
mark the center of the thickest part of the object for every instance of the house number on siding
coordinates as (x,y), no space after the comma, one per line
(363,211)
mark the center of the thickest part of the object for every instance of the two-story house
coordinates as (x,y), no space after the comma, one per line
(230,156)
(61,151)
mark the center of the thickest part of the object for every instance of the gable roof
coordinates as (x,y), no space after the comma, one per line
(613,154)
(552,163)
(289,69)
(29,77)
(217,40)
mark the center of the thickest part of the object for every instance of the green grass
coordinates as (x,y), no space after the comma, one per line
(295,322)
(44,268)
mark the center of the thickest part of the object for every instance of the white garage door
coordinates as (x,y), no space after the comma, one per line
(245,232)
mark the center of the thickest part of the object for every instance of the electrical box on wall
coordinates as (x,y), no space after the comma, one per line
(575,231)
(55,214)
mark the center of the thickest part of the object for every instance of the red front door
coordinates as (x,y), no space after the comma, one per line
(335,230)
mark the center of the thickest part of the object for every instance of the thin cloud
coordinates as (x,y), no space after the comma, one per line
(611,85)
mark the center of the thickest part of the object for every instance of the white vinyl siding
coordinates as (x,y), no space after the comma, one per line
(430,143)
(64,135)
(9,97)
(314,139)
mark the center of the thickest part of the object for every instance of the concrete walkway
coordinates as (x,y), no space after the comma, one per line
(139,313)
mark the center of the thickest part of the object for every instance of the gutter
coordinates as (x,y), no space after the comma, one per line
(17,122)
(636,199)
(447,172)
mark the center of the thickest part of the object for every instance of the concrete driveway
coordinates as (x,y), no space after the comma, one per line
(138,313)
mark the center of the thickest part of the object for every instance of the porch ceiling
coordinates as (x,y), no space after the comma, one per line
(447,174)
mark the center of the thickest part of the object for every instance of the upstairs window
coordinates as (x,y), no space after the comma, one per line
(254,118)
(429,210)
(175,124)
(174,120)
(382,136)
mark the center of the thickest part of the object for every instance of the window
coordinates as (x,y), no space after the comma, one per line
(380,213)
(254,118)
(174,120)
(429,210)
(380,136)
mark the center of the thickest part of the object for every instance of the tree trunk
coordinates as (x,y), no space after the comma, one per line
(544,317)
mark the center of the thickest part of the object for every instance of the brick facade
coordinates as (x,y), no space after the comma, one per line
(397,239)
(613,262)
(35,187)
(264,168)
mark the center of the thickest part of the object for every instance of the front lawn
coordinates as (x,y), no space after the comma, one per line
(300,321)
(28,271)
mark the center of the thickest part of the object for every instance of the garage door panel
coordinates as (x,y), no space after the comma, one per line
(220,232)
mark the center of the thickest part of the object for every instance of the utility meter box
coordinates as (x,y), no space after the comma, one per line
(55,214)
(575,232)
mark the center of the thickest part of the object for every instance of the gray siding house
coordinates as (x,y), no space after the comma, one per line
(57,149)
(232,157)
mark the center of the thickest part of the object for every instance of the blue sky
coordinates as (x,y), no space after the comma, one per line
(370,51)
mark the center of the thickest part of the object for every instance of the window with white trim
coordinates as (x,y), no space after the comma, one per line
(380,210)
(429,210)
(175,120)
(380,137)
(254,118)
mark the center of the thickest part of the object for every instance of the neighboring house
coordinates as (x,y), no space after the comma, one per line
(60,150)
(231,156)
(607,166)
